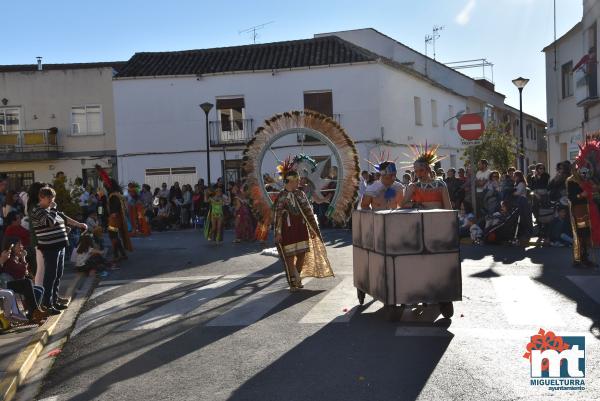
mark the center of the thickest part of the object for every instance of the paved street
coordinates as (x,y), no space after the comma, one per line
(187,320)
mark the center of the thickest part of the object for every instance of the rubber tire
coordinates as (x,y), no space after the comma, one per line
(361,296)
(447,309)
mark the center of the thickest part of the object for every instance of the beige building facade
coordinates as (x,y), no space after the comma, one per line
(56,117)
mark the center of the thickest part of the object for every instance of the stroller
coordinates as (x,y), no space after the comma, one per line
(504,230)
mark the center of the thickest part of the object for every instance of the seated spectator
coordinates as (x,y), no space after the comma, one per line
(498,217)
(89,258)
(14,228)
(561,233)
(15,276)
(163,215)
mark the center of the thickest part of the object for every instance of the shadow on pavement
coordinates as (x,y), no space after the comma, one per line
(362,360)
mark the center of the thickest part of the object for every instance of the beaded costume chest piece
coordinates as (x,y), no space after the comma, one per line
(428,191)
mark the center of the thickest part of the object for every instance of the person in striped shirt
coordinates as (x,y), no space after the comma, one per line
(50,226)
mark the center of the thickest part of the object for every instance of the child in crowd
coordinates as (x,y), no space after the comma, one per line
(561,233)
(475,232)
(50,227)
(92,220)
(89,258)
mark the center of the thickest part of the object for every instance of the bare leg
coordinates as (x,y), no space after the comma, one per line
(213,228)
(299,264)
(219,229)
(294,275)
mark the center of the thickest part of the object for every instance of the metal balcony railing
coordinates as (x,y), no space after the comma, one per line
(41,140)
(231,132)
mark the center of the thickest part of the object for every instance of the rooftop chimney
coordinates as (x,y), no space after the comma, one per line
(39,60)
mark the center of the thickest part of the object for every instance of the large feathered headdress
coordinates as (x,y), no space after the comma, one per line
(426,155)
(287,168)
(110,184)
(383,164)
(106,180)
(589,155)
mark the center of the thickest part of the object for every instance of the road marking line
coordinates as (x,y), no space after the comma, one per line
(118,304)
(176,309)
(186,278)
(588,284)
(254,306)
(495,334)
(524,303)
(103,290)
(330,309)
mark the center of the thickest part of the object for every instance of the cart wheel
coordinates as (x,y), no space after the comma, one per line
(447,309)
(393,312)
(361,296)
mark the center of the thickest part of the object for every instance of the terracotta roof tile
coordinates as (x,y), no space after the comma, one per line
(320,51)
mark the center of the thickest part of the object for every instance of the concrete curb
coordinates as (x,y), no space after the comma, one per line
(19,368)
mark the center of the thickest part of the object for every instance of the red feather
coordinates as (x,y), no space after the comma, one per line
(104,176)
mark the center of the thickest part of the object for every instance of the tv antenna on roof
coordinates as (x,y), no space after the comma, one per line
(254,29)
(431,38)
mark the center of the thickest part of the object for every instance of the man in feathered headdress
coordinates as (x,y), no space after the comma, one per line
(297,234)
(428,192)
(583,192)
(117,221)
(385,193)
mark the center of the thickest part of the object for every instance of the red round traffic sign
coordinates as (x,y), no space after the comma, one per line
(470,126)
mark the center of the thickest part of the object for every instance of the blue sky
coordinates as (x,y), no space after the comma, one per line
(509,33)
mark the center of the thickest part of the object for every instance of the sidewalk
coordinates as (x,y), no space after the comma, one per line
(20,346)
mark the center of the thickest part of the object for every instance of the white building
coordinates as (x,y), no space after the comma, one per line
(56,117)
(384,94)
(573,103)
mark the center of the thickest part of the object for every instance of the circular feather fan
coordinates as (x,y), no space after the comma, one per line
(325,129)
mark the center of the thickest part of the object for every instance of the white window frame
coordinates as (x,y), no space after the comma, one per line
(434,113)
(566,80)
(418,111)
(227,135)
(85,133)
(3,110)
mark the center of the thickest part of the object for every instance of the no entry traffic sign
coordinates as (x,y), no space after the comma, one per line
(470,126)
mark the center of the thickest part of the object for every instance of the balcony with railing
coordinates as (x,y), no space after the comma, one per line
(29,144)
(231,132)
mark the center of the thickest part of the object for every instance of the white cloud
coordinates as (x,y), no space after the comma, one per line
(464,16)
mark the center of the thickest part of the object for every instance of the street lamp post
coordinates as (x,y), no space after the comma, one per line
(206,106)
(520,84)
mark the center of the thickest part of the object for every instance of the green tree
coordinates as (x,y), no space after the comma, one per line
(497,147)
(63,199)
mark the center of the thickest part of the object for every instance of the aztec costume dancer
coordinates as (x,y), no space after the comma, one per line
(386,193)
(582,191)
(428,192)
(297,234)
(117,221)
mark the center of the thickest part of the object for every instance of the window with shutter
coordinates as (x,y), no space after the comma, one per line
(321,102)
